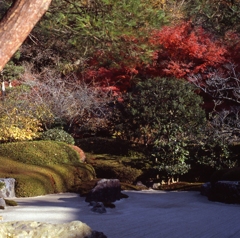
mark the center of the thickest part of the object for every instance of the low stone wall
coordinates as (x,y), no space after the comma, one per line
(28,229)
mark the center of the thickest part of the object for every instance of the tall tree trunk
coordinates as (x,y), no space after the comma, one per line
(16,25)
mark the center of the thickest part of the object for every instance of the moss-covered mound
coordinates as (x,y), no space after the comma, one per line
(115,158)
(43,167)
(112,167)
(33,180)
(40,152)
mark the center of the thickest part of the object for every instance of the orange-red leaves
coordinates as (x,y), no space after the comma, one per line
(186,50)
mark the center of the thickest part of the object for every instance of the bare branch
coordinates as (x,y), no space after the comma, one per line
(220,87)
(70,100)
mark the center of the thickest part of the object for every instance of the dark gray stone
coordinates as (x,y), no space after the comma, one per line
(92,203)
(99,208)
(97,234)
(206,189)
(225,191)
(106,191)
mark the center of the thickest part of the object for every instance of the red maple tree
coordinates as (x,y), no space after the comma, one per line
(177,51)
(183,50)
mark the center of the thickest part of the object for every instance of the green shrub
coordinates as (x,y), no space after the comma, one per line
(40,152)
(11,70)
(57,134)
(216,154)
(164,114)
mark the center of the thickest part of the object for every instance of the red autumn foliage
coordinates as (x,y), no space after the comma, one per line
(178,51)
(183,50)
(116,68)
(232,42)
(119,78)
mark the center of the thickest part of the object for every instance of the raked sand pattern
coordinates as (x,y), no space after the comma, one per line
(145,214)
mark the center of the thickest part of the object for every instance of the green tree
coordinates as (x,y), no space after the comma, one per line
(214,15)
(80,28)
(166,114)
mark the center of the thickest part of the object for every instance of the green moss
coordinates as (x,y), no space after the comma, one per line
(40,152)
(114,167)
(10,203)
(2,185)
(36,180)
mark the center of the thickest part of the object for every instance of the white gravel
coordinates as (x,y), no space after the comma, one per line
(33,229)
(145,214)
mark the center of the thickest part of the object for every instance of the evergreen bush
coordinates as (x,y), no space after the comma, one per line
(57,134)
(163,114)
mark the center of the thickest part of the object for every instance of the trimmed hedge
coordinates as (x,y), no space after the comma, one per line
(40,152)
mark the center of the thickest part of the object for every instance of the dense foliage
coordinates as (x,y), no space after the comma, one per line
(15,127)
(122,67)
(184,50)
(57,134)
(217,16)
(80,28)
(165,113)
